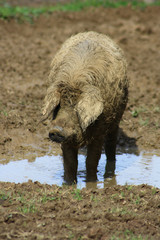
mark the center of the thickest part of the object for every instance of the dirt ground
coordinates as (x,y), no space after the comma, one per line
(38,211)
(35,211)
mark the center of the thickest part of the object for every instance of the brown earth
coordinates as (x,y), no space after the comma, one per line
(35,211)
(38,211)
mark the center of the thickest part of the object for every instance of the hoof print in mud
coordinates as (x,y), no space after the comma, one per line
(86,98)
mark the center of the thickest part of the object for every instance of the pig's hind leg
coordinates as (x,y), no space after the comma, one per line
(70,162)
(94,150)
(110,150)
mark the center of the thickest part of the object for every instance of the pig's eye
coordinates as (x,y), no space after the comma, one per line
(55,111)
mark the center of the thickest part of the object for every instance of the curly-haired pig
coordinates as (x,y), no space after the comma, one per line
(86,97)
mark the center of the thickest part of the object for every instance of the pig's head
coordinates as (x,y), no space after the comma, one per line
(72,112)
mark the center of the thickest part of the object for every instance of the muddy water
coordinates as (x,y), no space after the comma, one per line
(131,168)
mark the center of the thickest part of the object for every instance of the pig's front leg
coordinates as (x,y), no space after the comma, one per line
(110,150)
(70,163)
(93,155)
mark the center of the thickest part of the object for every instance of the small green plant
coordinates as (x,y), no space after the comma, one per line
(156,109)
(68,226)
(143,122)
(28,208)
(3,196)
(114,196)
(20,198)
(119,210)
(79,238)
(131,196)
(77,194)
(94,198)
(134,113)
(157,124)
(129,187)
(131,236)
(154,191)
(122,194)
(4,112)
(46,198)
(128,235)
(137,201)
(71,235)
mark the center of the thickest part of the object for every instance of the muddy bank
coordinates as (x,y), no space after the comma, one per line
(35,211)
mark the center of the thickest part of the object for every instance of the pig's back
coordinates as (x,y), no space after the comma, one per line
(89,58)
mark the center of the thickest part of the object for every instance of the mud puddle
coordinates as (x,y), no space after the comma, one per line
(131,168)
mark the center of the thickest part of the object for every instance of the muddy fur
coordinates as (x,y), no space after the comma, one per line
(87,95)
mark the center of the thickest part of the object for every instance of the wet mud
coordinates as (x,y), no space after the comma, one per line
(35,211)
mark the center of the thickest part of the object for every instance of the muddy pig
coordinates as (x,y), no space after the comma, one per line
(86,98)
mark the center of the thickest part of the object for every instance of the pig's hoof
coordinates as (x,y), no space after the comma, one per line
(91,178)
(69,182)
(109,174)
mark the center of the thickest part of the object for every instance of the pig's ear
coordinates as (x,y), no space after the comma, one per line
(89,107)
(51,101)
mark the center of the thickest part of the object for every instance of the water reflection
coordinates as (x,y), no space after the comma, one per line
(130,169)
(145,170)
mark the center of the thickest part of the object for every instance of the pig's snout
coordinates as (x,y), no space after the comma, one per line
(57,135)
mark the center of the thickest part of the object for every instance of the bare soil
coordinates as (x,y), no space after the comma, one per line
(35,211)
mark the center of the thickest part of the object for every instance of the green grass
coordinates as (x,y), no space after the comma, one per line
(29,13)
(143,122)
(28,208)
(3,196)
(2,110)
(120,210)
(136,112)
(128,235)
(77,194)
(45,198)
(27,203)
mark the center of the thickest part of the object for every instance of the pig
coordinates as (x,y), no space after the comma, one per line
(85,101)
